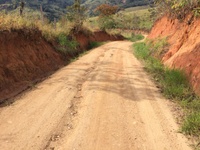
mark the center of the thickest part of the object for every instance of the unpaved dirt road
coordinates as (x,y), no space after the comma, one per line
(103,101)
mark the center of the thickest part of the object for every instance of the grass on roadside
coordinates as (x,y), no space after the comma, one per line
(32,20)
(174,85)
(135,37)
(95,44)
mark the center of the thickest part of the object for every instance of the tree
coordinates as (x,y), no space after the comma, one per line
(77,14)
(22,4)
(177,8)
(106,12)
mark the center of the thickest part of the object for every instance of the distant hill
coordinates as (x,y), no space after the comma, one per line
(57,8)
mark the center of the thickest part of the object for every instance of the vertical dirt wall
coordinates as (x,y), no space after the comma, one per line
(184,51)
(25,57)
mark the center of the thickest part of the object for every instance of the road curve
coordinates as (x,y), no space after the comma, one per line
(103,101)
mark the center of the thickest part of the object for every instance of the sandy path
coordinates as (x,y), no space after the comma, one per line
(103,101)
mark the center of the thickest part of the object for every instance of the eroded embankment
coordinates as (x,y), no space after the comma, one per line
(85,39)
(184,50)
(26,57)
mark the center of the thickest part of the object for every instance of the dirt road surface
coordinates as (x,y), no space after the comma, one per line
(103,101)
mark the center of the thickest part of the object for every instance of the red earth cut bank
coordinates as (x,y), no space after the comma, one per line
(184,40)
(26,57)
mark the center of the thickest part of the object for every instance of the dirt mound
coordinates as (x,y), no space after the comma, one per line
(85,39)
(183,37)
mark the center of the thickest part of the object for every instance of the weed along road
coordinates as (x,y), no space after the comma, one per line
(102,101)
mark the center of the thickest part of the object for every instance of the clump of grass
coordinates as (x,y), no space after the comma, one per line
(68,46)
(141,51)
(172,78)
(32,20)
(158,46)
(191,125)
(174,85)
(95,44)
(135,37)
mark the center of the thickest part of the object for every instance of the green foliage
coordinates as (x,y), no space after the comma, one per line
(141,51)
(134,19)
(106,22)
(174,85)
(191,125)
(57,8)
(95,44)
(77,14)
(106,10)
(158,46)
(172,78)
(62,39)
(136,37)
(32,20)
(178,8)
(66,43)
(106,19)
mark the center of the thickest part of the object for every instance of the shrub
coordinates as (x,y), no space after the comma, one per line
(106,12)
(191,125)
(64,41)
(136,37)
(77,14)
(106,23)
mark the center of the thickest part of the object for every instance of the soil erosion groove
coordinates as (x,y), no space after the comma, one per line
(104,100)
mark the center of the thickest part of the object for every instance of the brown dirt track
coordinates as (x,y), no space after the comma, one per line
(103,101)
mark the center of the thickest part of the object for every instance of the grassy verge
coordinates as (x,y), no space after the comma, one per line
(135,37)
(174,85)
(95,44)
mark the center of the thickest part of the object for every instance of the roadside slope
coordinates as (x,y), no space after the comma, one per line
(104,100)
(184,40)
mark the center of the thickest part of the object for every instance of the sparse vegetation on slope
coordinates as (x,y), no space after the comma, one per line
(174,85)
(178,8)
(57,8)
(32,20)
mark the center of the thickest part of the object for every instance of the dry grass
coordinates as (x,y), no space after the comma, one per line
(32,20)
(139,11)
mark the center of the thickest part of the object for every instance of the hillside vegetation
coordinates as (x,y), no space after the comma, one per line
(57,8)
(178,8)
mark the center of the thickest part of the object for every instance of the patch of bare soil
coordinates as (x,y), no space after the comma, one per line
(25,57)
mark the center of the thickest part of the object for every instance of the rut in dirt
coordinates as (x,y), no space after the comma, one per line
(104,100)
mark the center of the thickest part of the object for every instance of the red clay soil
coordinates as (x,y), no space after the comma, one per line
(26,57)
(184,51)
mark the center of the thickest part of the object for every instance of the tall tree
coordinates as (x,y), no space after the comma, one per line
(77,14)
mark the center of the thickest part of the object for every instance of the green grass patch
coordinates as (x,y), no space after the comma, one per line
(174,85)
(95,44)
(135,37)
(191,125)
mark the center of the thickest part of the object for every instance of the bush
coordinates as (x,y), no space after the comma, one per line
(191,125)
(136,37)
(64,41)
(106,23)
